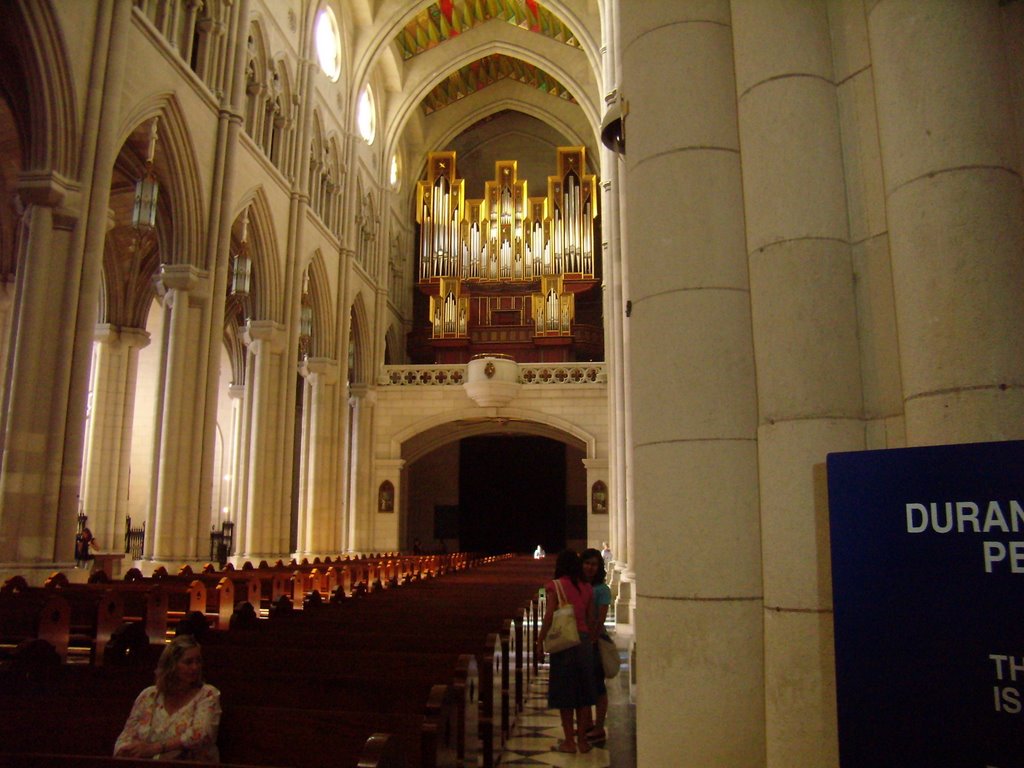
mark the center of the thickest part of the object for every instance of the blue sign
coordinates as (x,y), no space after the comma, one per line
(928,588)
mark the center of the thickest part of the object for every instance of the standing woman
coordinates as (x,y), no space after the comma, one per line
(570,674)
(594,574)
(85,542)
(178,718)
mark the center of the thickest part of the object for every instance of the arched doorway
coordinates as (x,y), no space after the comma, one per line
(494,486)
(513,494)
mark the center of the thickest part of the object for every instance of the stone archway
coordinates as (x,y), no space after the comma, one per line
(493,485)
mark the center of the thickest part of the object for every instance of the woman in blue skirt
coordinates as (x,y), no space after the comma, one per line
(594,573)
(571,684)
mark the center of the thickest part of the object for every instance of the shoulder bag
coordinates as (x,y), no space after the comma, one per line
(563,633)
(609,656)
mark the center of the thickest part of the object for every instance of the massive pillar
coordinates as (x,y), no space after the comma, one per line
(360,504)
(176,527)
(953,198)
(692,394)
(109,437)
(266,523)
(231,66)
(320,463)
(805,337)
(238,483)
(36,398)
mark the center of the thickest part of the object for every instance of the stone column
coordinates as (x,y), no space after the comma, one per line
(111,415)
(953,200)
(700,674)
(175,526)
(266,526)
(805,336)
(7,308)
(38,372)
(621,534)
(318,498)
(361,502)
(238,486)
(621,537)
(230,60)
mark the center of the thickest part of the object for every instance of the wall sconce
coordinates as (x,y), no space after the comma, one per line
(306,321)
(241,267)
(613,130)
(147,189)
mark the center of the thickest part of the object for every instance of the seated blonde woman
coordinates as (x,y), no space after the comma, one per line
(176,719)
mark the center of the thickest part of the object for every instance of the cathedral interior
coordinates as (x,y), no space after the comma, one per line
(308,279)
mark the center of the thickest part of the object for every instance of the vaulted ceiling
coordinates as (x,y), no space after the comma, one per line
(447,19)
(512,64)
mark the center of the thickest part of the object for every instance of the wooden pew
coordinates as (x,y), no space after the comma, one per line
(86,727)
(35,615)
(366,680)
(48,760)
(326,738)
(381,750)
(502,658)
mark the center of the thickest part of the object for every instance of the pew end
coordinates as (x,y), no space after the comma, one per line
(43,760)
(382,751)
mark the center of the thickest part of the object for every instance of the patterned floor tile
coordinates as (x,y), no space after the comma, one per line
(539,729)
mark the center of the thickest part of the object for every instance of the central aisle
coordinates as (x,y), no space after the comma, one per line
(539,728)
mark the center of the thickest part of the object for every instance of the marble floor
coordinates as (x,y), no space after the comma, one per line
(539,729)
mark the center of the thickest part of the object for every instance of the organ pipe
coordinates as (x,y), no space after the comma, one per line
(506,236)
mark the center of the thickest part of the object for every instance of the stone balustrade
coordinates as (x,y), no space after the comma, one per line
(529,373)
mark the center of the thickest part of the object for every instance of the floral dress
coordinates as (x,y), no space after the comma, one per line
(195,724)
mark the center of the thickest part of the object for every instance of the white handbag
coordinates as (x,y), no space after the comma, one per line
(563,633)
(610,661)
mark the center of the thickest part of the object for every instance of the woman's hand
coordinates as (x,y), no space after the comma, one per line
(143,749)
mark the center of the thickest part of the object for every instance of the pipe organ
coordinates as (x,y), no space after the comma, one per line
(503,271)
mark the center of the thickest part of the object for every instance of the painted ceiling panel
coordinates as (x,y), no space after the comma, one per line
(487,71)
(445,19)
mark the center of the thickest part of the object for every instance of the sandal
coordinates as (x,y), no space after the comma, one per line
(585,746)
(596,734)
(565,746)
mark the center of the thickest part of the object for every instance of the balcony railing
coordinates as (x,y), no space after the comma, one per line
(529,373)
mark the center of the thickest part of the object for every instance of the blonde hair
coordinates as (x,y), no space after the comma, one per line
(166,676)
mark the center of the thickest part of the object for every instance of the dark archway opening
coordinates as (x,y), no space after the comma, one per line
(512,494)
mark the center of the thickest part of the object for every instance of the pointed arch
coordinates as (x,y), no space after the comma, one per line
(265,294)
(323,344)
(392,348)
(360,359)
(367,223)
(177,168)
(433,67)
(401,13)
(279,145)
(36,78)
(256,70)
(318,166)
(333,193)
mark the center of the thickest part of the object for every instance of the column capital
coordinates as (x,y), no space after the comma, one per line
(135,337)
(319,370)
(180,277)
(597,465)
(272,334)
(362,394)
(115,336)
(236,391)
(47,188)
